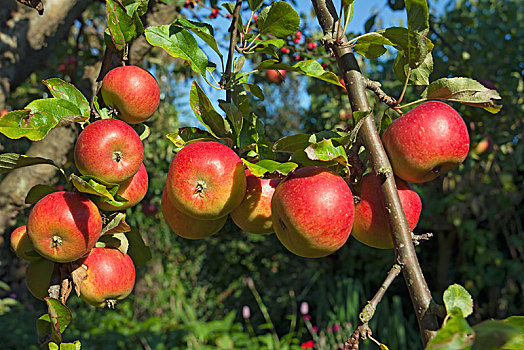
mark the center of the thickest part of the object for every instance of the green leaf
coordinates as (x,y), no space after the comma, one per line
(254,5)
(372,45)
(138,251)
(178,42)
(370,23)
(296,142)
(325,151)
(418,28)
(43,327)
(255,90)
(456,334)
(516,343)
(67,91)
(267,167)
(495,334)
(203,30)
(65,346)
(10,161)
(463,90)
(457,296)
(115,223)
(279,19)
(60,317)
(419,75)
(348,7)
(87,184)
(145,133)
(121,26)
(234,116)
(38,192)
(38,118)
(308,67)
(249,136)
(188,134)
(206,113)
(114,240)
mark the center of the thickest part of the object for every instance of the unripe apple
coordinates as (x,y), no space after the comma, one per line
(133,189)
(274,76)
(110,276)
(110,150)
(133,91)
(312,212)
(254,213)
(64,226)
(21,244)
(206,180)
(427,141)
(38,277)
(371,225)
(186,226)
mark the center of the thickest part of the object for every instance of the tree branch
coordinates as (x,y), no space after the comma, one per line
(356,87)
(226,78)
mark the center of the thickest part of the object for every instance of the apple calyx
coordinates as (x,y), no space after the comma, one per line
(117,156)
(56,241)
(200,188)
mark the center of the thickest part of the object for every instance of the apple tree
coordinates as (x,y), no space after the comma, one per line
(312,189)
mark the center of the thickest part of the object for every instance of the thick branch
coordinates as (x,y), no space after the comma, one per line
(404,249)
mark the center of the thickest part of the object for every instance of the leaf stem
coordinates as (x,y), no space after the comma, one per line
(405,86)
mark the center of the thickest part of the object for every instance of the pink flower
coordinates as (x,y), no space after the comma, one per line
(306,317)
(314,329)
(308,345)
(336,327)
(304,308)
(246,312)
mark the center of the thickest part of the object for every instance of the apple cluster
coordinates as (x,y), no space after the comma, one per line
(64,227)
(312,209)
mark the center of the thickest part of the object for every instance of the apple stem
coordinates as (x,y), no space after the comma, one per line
(401,233)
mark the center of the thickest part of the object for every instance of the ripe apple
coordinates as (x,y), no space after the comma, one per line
(186,226)
(3,111)
(38,277)
(133,189)
(371,225)
(64,226)
(274,76)
(312,211)
(133,91)
(426,142)
(110,150)
(254,213)
(206,180)
(110,276)
(22,245)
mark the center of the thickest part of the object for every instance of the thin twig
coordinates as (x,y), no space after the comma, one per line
(417,239)
(363,331)
(232,44)
(376,87)
(405,86)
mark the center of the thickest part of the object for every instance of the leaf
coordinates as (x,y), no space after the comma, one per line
(372,45)
(464,90)
(123,27)
(419,75)
(59,316)
(115,223)
(348,11)
(114,240)
(370,23)
(10,161)
(145,133)
(308,67)
(495,334)
(37,118)
(178,42)
(418,28)
(65,346)
(38,192)
(206,113)
(296,142)
(279,19)
(254,5)
(516,343)
(138,251)
(188,134)
(203,30)
(255,90)
(67,91)
(268,167)
(89,185)
(454,335)
(234,116)
(325,151)
(457,296)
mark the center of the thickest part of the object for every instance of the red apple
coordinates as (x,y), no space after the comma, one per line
(274,76)
(3,111)
(186,226)
(133,189)
(22,245)
(38,277)
(312,210)
(371,225)
(133,91)
(254,213)
(110,276)
(206,180)
(64,226)
(426,142)
(110,150)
